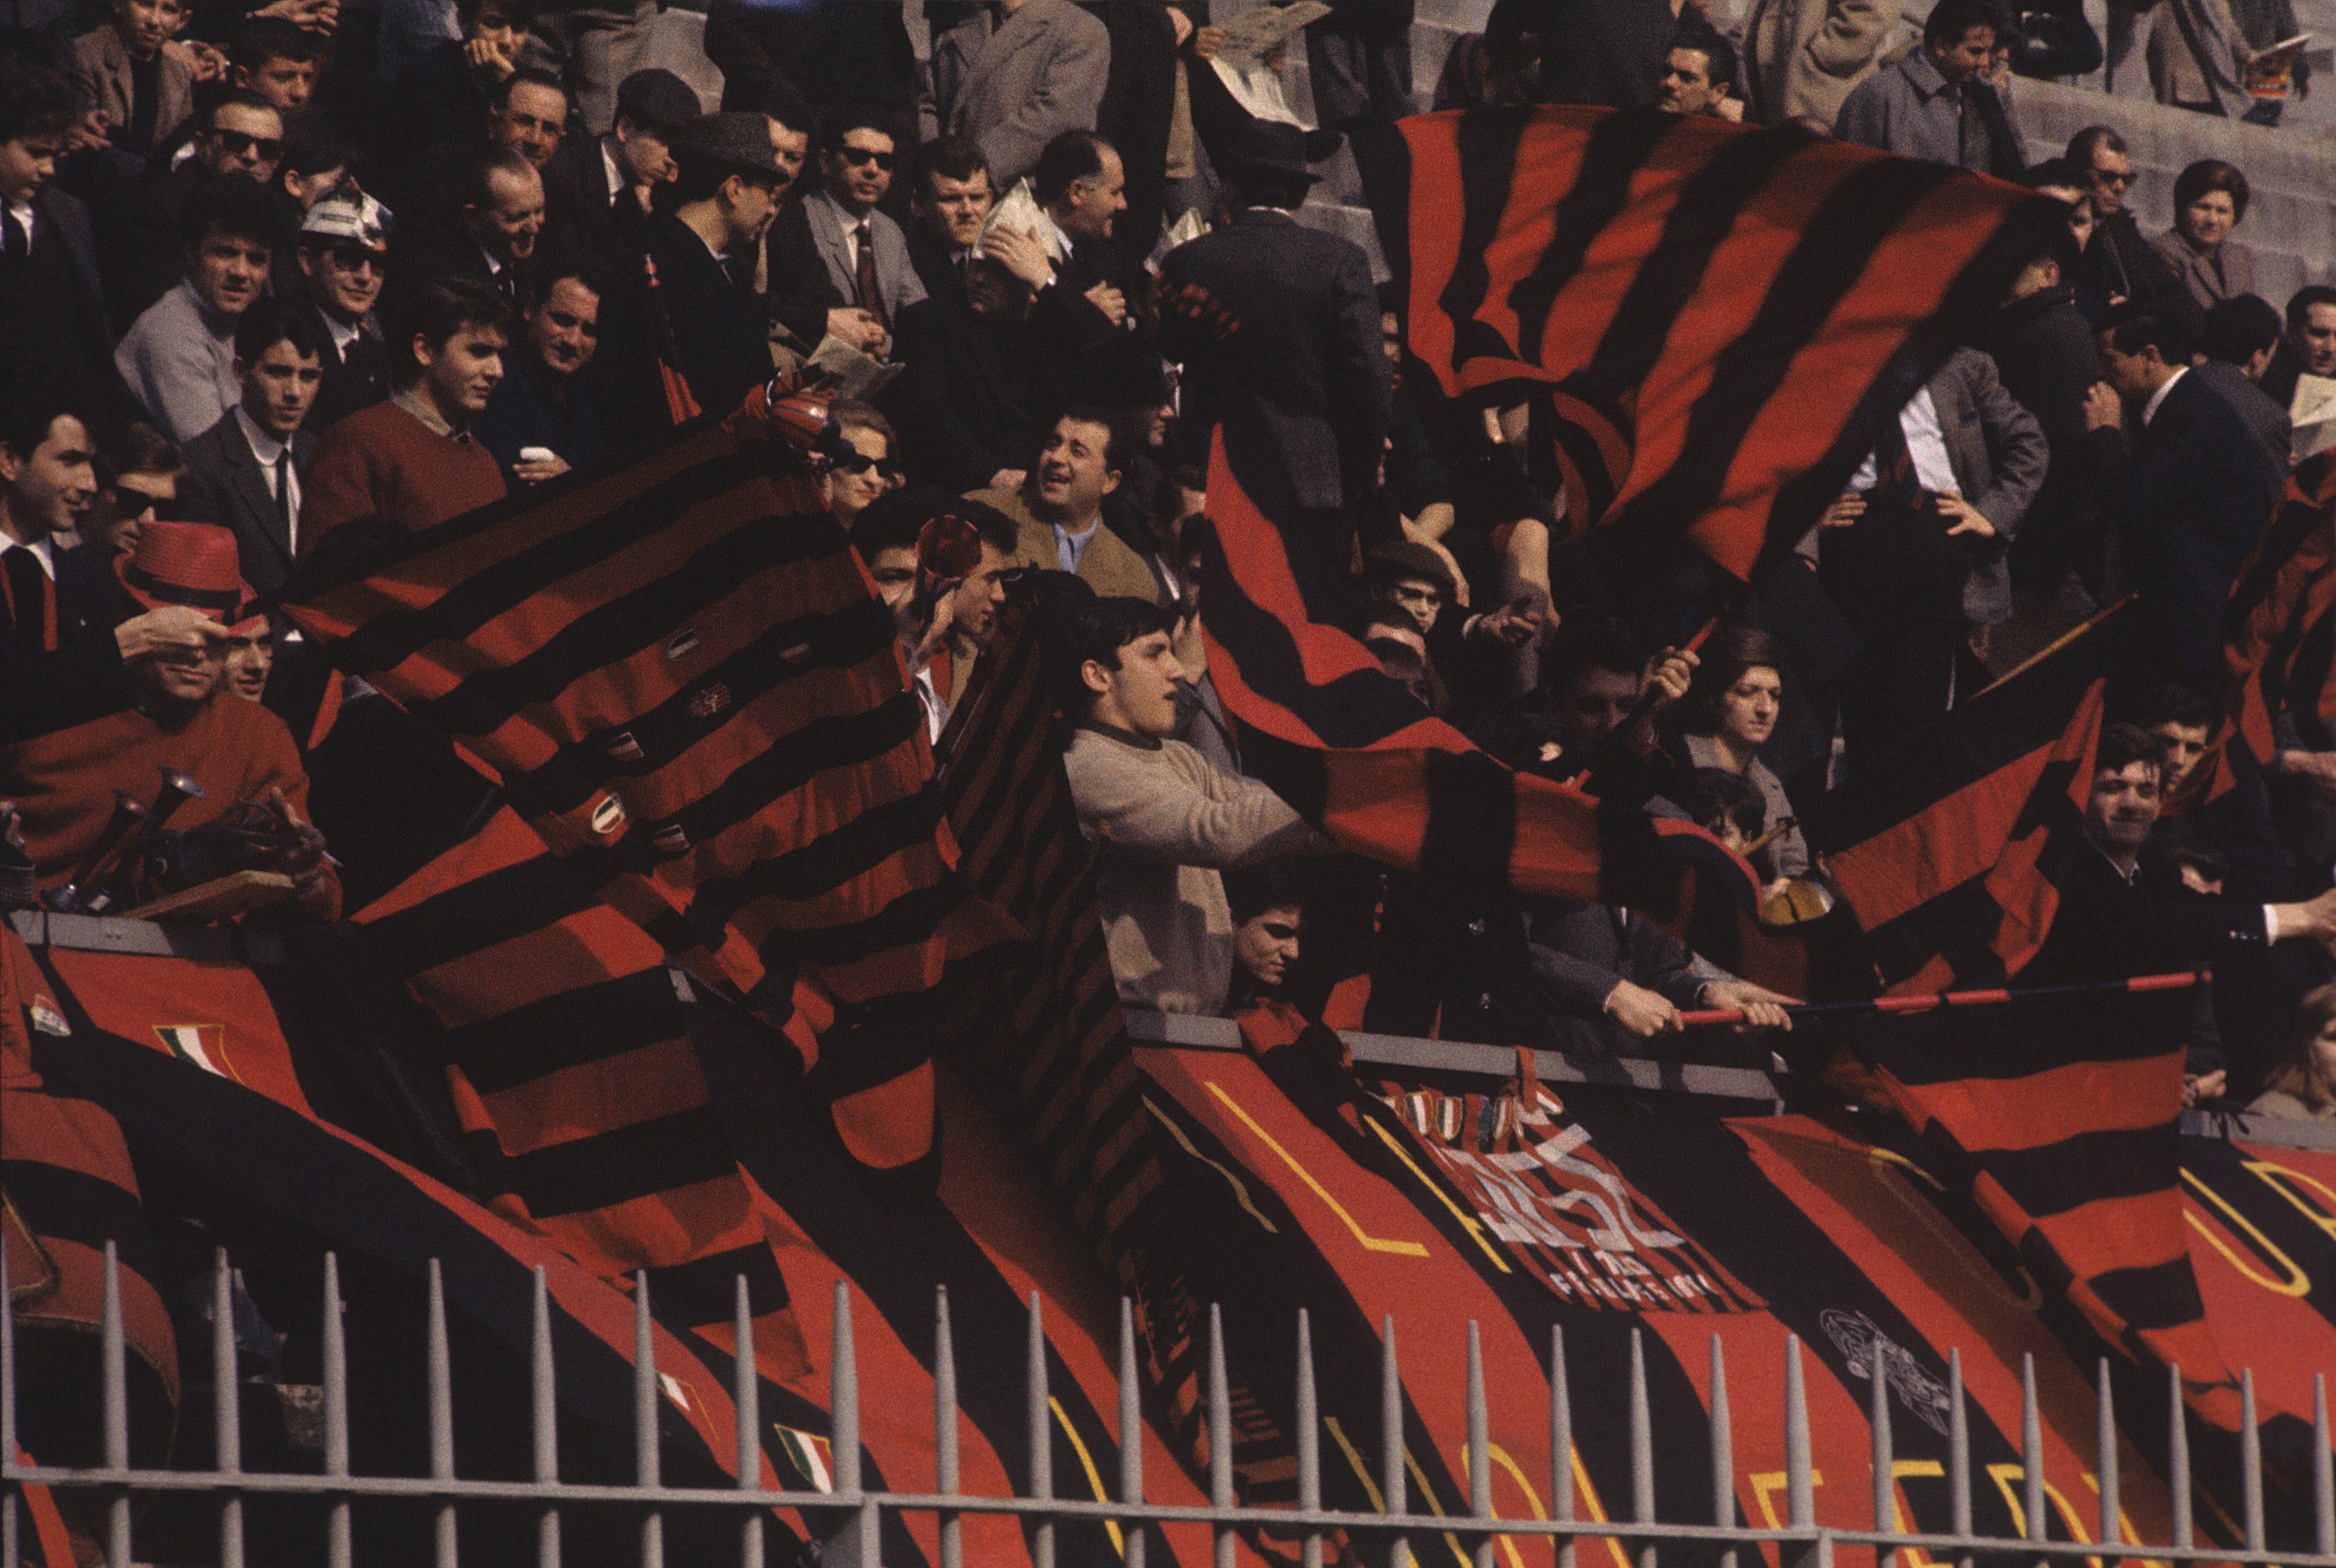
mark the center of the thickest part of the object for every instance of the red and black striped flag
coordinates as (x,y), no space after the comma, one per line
(680,673)
(2279,630)
(1720,318)
(1949,848)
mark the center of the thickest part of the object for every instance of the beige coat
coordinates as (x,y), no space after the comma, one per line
(101,66)
(1803,56)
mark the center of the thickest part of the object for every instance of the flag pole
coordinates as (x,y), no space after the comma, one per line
(1930,1002)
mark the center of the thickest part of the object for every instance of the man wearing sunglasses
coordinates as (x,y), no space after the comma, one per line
(2120,263)
(839,268)
(343,252)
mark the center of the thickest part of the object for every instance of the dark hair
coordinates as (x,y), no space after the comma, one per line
(476,178)
(1115,446)
(239,98)
(2123,744)
(435,310)
(35,100)
(1718,54)
(952,158)
(1255,187)
(137,447)
(1102,629)
(29,404)
(257,40)
(243,207)
(776,102)
(700,177)
(1196,533)
(268,322)
(310,149)
(1730,652)
(2299,304)
(2173,704)
(526,77)
(2061,249)
(2239,328)
(2131,327)
(1713,793)
(520,13)
(844,118)
(2088,141)
(2052,171)
(894,519)
(1950,19)
(1275,885)
(1585,641)
(638,98)
(587,273)
(1072,156)
(2210,174)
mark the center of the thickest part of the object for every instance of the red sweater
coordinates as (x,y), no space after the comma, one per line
(64,782)
(383,462)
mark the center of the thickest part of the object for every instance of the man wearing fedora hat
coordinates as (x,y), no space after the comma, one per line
(674,287)
(1276,325)
(183,719)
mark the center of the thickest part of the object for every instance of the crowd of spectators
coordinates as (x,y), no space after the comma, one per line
(257,285)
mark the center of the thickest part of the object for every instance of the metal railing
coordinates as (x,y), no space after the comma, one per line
(1385,1535)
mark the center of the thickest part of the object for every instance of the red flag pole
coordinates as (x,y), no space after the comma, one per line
(1980,998)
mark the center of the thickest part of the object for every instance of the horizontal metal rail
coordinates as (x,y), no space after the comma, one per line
(1800,1541)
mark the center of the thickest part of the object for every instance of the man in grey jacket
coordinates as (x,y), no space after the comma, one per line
(1015,77)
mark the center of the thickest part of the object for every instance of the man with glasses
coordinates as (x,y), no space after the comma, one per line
(2120,263)
(840,267)
(343,252)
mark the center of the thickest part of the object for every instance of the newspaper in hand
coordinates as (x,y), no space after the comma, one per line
(1255,32)
(2313,415)
(1020,213)
(857,376)
(1183,231)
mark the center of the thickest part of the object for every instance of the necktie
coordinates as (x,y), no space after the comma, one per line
(284,498)
(32,602)
(20,242)
(870,301)
(1894,468)
(1970,131)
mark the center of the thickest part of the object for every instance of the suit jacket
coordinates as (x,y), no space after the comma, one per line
(719,347)
(2119,259)
(972,397)
(2209,279)
(1276,327)
(606,221)
(226,485)
(101,62)
(809,261)
(357,376)
(1801,57)
(2269,421)
(38,325)
(1582,950)
(1999,456)
(82,678)
(1014,88)
(936,263)
(2108,929)
(2191,495)
(1108,565)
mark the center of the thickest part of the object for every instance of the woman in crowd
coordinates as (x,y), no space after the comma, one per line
(2210,200)
(1728,715)
(2303,1083)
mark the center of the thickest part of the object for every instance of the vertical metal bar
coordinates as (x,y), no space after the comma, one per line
(338,1546)
(2031,1449)
(2324,1472)
(2104,1463)
(646,1393)
(2177,1455)
(548,1433)
(1480,1456)
(441,1374)
(1800,1491)
(227,1414)
(115,1375)
(843,1427)
(1221,1437)
(1959,1492)
(1131,1432)
(1394,1485)
(1561,1441)
(1310,1441)
(1042,1437)
(546,1411)
(1723,1451)
(746,1400)
(944,1463)
(1886,1491)
(1643,1449)
(2250,1461)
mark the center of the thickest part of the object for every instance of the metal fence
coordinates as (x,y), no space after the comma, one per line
(1388,1534)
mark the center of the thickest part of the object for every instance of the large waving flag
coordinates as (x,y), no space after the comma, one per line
(2278,630)
(679,672)
(1721,317)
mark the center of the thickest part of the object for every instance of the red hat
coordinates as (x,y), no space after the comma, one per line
(189,563)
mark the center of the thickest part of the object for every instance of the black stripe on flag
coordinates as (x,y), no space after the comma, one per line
(1619,145)
(617,1166)
(567,1030)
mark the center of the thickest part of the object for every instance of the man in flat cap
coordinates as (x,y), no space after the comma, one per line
(672,303)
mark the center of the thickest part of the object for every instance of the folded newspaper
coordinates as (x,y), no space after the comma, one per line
(2313,413)
(1240,65)
(1183,231)
(857,376)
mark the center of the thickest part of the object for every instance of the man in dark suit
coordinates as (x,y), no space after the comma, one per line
(977,396)
(675,286)
(1096,292)
(344,259)
(59,661)
(613,177)
(953,197)
(1277,328)
(2189,490)
(2242,335)
(51,307)
(245,472)
(501,224)
(2120,263)
(1914,552)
